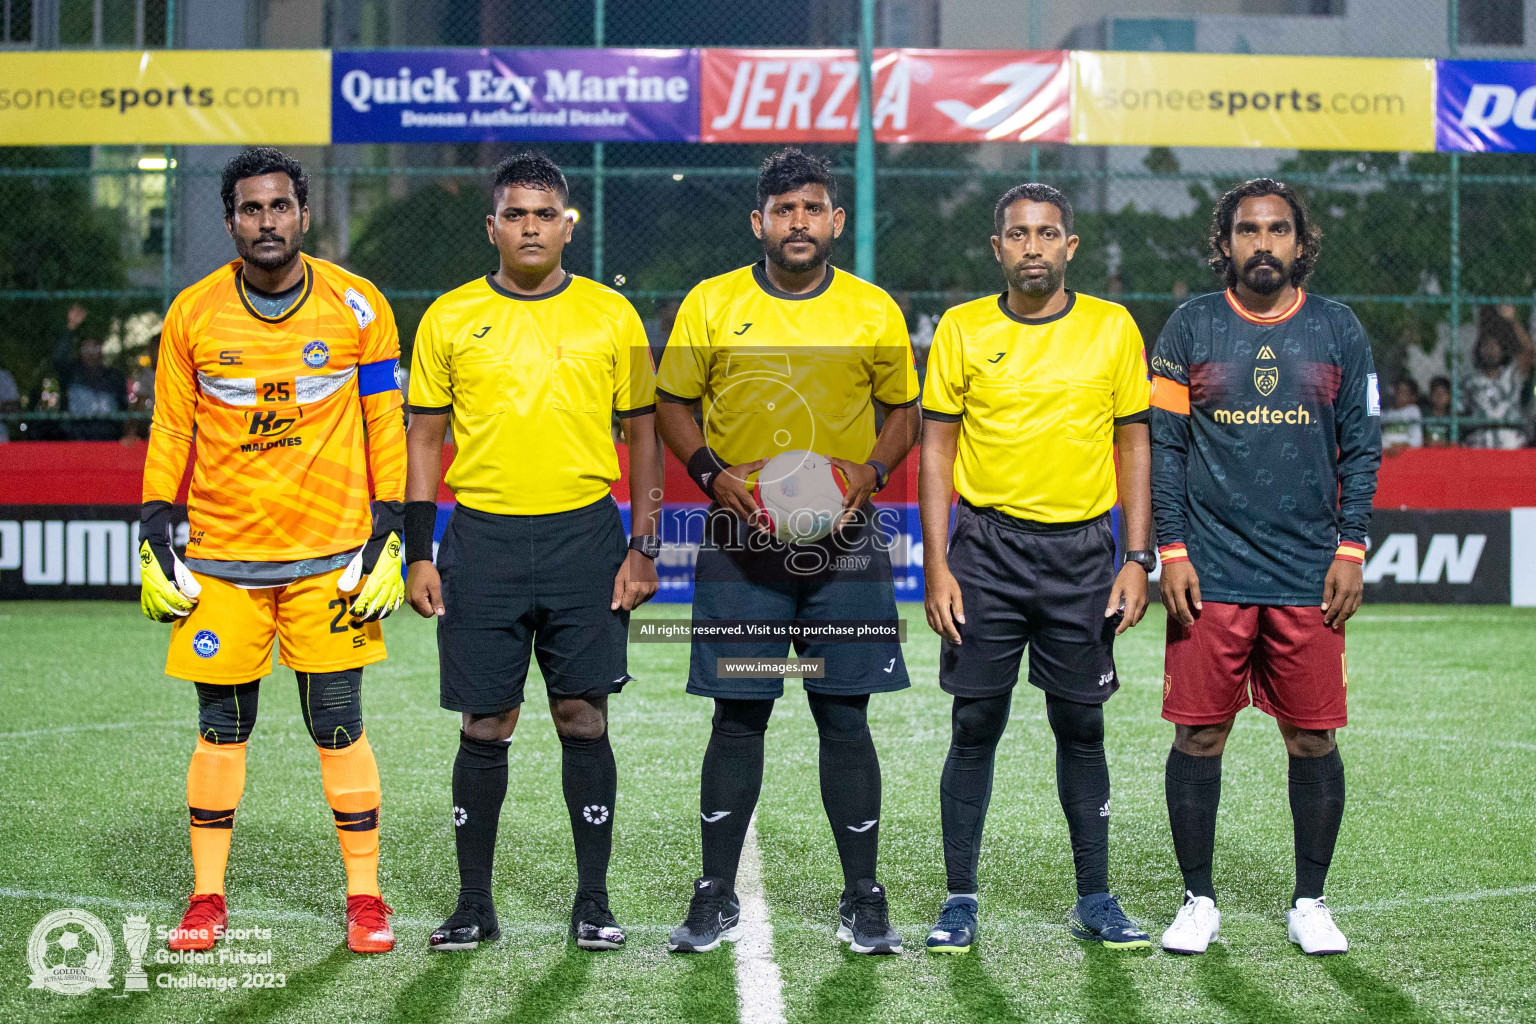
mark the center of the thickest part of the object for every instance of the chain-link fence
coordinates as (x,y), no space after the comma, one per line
(1430,250)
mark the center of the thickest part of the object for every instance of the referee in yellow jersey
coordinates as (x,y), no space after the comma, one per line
(532,363)
(790,354)
(1029,395)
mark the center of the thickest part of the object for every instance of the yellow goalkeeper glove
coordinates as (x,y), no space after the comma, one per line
(167,588)
(379,566)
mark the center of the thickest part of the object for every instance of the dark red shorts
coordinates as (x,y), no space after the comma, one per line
(1279,658)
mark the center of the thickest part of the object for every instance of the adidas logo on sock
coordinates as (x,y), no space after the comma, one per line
(1104,811)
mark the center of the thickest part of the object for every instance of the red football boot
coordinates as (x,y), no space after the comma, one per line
(202,924)
(368,928)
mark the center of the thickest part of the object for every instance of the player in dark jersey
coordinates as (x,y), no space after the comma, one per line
(1266,440)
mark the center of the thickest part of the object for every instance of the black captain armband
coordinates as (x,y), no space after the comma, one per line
(420,522)
(705,466)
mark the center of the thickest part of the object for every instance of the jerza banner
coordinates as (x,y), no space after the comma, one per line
(115,97)
(575,95)
(917,96)
(1242,100)
(1485,106)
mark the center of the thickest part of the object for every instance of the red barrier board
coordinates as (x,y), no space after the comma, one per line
(919,95)
(109,473)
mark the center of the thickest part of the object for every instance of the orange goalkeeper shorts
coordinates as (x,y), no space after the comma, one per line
(227,637)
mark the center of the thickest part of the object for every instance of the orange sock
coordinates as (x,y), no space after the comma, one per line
(215,781)
(351,780)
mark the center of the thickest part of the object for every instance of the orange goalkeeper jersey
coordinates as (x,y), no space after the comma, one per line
(291,415)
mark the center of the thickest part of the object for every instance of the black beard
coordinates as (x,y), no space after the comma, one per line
(247,252)
(775,253)
(1265,284)
(1047,285)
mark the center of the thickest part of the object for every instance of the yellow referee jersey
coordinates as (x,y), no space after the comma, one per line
(779,371)
(1037,400)
(532,382)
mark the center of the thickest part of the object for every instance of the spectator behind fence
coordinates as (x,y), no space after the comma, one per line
(1502,358)
(89,386)
(1402,425)
(141,389)
(10,401)
(1438,435)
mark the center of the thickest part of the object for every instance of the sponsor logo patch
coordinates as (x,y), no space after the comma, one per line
(360,308)
(316,354)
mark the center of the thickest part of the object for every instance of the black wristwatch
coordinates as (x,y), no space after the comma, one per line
(1146,559)
(648,545)
(882,473)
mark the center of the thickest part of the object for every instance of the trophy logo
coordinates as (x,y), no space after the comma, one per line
(135,940)
(70,952)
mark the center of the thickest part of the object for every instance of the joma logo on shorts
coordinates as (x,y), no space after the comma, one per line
(849,563)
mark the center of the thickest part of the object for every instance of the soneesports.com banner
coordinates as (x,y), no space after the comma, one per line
(314,97)
(1242,100)
(116,97)
(1485,106)
(918,95)
(576,95)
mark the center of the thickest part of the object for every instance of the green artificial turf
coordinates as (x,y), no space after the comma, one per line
(1434,881)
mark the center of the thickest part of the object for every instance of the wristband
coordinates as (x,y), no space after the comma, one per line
(705,466)
(882,473)
(420,524)
(1350,551)
(1170,553)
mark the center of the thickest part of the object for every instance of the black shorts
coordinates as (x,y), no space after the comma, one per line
(515,583)
(1038,585)
(847,578)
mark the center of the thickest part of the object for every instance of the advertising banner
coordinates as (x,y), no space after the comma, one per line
(115,97)
(571,95)
(1485,106)
(68,552)
(1198,99)
(919,96)
(1452,557)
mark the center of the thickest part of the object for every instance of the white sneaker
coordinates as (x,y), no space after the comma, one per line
(1312,928)
(1196,925)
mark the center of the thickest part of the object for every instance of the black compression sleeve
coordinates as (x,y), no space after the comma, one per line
(420,523)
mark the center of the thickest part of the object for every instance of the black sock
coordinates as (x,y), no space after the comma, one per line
(1192,786)
(730,782)
(479,786)
(965,787)
(1082,783)
(1317,808)
(850,781)
(590,781)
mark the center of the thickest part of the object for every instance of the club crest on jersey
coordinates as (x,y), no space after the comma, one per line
(359,307)
(1266,379)
(205,644)
(316,354)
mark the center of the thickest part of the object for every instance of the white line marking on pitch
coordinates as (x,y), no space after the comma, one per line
(758,985)
(92,727)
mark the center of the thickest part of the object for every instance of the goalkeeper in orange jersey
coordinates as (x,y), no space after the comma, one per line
(283,367)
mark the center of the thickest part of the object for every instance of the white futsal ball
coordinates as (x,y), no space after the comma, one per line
(802,495)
